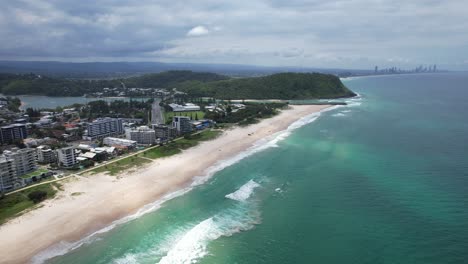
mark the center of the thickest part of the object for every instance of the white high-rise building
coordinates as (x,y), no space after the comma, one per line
(142,135)
(25,160)
(46,155)
(103,127)
(8,176)
(67,157)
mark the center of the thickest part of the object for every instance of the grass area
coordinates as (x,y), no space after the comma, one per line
(115,167)
(177,146)
(13,204)
(34,173)
(167,150)
(160,152)
(192,114)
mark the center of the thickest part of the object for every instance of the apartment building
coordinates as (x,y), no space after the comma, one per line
(13,132)
(8,177)
(164,132)
(25,160)
(103,127)
(67,157)
(46,155)
(142,135)
(182,124)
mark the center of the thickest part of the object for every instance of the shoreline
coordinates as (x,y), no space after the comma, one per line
(104,200)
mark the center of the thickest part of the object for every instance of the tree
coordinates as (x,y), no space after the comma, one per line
(13,104)
(87,163)
(37,196)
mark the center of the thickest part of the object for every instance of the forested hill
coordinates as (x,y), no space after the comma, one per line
(196,84)
(276,86)
(15,84)
(170,79)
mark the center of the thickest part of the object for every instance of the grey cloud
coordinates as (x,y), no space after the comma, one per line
(337,33)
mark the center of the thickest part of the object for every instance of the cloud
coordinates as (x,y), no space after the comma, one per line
(198,31)
(315,33)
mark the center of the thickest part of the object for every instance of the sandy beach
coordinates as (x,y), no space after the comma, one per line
(99,200)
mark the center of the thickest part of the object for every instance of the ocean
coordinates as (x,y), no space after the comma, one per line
(381,180)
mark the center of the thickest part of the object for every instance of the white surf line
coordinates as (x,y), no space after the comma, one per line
(64,247)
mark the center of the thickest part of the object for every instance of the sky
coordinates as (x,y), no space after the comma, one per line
(355,34)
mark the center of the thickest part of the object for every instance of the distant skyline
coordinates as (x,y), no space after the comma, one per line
(329,34)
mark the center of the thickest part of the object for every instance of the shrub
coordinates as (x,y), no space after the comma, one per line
(37,196)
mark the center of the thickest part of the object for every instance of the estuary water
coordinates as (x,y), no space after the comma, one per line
(49,102)
(381,180)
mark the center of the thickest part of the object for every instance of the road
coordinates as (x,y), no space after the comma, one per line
(157,113)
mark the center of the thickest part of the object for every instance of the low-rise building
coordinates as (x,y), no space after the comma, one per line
(46,155)
(119,142)
(182,124)
(67,157)
(202,124)
(142,135)
(184,108)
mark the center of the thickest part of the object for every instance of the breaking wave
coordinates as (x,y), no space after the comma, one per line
(244,192)
(193,244)
(64,247)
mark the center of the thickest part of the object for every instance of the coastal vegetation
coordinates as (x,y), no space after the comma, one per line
(16,84)
(116,167)
(276,86)
(195,84)
(248,115)
(180,144)
(169,149)
(117,108)
(13,204)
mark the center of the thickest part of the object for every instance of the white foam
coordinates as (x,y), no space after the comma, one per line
(193,245)
(351,78)
(355,101)
(127,259)
(64,247)
(339,114)
(244,192)
(159,249)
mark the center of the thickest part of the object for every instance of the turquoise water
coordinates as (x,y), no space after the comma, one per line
(383,180)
